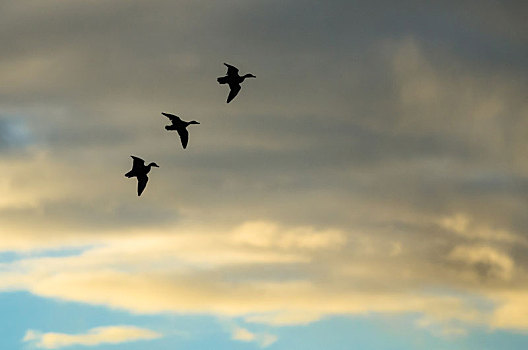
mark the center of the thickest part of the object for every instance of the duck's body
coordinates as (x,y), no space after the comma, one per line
(180,126)
(140,171)
(233,80)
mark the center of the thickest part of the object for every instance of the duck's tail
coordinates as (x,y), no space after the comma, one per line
(222,80)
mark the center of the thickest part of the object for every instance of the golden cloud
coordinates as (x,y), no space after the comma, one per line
(95,336)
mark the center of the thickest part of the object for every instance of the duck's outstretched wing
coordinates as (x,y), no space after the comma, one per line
(184,136)
(235,88)
(138,162)
(142,183)
(231,70)
(172,117)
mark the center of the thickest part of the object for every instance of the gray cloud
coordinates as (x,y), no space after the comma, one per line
(391,121)
(3,134)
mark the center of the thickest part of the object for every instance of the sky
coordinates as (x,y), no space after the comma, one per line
(368,190)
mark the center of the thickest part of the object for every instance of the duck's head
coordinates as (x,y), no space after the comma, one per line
(193,122)
(249,75)
(154,164)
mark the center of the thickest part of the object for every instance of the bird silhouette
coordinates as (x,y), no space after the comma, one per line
(140,171)
(233,80)
(180,126)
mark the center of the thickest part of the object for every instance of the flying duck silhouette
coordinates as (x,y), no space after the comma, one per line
(233,79)
(180,126)
(140,170)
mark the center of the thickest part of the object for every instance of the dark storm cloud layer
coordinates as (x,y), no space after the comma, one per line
(291,26)
(403,126)
(122,47)
(141,52)
(4,134)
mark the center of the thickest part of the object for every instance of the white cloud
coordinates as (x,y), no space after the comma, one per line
(95,336)
(263,339)
(242,334)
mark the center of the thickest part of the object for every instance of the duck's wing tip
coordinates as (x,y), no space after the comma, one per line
(234,89)
(184,137)
(142,183)
(172,117)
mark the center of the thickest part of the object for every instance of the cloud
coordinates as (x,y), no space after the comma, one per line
(374,165)
(276,284)
(263,339)
(266,234)
(461,224)
(284,318)
(95,336)
(446,330)
(511,310)
(486,259)
(242,334)
(328,219)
